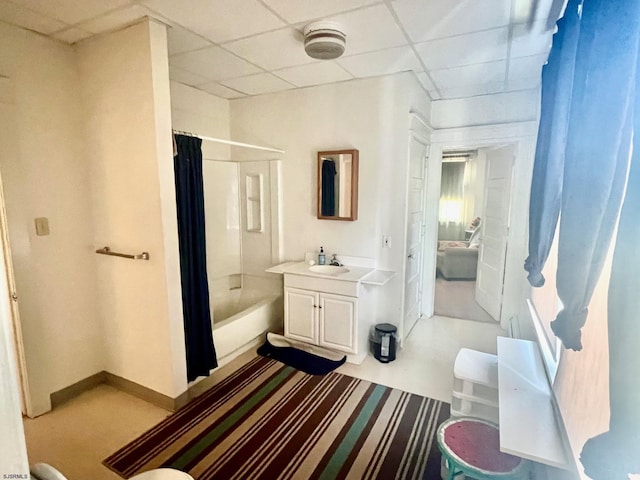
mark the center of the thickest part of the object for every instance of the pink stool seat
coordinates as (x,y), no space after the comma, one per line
(473,446)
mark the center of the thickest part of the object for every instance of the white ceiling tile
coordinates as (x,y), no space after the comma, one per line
(180,40)
(526,10)
(523,84)
(530,40)
(294,11)
(425,80)
(213,63)
(73,11)
(392,60)
(314,74)
(469,75)
(188,78)
(480,47)
(472,90)
(219,20)
(526,67)
(256,84)
(23,17)
(282,48)
(525,72)
(369,29)
(71,35)
(220,90)
(114,20)
(444,18)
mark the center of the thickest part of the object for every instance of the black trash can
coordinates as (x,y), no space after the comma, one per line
(383,342)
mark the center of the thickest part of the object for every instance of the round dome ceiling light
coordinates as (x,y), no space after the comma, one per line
(324,40)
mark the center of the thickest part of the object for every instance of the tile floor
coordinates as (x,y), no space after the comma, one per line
(79,434)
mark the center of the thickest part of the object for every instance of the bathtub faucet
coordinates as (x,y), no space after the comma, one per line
(334,261)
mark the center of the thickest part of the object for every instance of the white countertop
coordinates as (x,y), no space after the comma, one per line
(364,275)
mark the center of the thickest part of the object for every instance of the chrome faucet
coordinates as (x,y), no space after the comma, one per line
(334,261)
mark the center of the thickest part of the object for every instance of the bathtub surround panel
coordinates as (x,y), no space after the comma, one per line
(45,173)
(125,88)
(222,213)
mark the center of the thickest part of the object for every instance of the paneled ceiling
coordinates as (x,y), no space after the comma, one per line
(234,48)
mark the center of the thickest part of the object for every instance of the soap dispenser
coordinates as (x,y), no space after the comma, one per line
(321,257)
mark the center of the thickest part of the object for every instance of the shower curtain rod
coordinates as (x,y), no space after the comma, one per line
(228,142)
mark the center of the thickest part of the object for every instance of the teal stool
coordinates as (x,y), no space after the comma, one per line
(471,446)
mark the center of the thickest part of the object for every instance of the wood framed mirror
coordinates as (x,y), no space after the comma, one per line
(338,185)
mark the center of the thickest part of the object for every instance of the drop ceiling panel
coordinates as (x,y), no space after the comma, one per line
(220,90)
(294,11)
(444,18)
(188,78)
(426,81)
(213,63)
(525,10)
(362,36)
(530,40)
(480,47)
(314,74)
(181,40)
(256,84)
(472,90)
(393,60)
(469,75)
(73,11)
(525,72)
(115,19)
(219,20)
(278,49)
(17,15)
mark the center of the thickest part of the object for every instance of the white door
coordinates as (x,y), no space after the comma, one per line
(7,153)
(338,322)
(300,315)
(415,233)
(495,228)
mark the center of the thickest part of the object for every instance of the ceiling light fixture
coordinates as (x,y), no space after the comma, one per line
(324,40)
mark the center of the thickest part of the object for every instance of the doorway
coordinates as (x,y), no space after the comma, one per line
(473,219)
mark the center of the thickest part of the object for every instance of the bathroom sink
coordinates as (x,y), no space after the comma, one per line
(328,269)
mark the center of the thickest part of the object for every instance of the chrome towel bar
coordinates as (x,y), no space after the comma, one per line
(107,251)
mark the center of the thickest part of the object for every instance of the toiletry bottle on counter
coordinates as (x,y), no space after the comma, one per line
(321,258)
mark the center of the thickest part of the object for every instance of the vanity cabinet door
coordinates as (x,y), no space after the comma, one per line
(338,316)
(300,315)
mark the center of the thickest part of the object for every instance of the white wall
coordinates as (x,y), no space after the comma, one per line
(370,115)
(512,107)
(125,92)
(48,176)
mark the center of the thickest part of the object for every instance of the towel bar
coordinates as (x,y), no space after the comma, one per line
(107,251)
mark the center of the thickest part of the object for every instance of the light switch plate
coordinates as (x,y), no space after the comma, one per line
(42,226)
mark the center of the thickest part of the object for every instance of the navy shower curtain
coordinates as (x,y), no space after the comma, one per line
(593,162)
(201,354)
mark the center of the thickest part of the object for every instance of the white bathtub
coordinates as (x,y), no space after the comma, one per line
(241,317)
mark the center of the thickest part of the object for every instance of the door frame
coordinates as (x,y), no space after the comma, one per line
(420,130)
(15,324)
(523,136)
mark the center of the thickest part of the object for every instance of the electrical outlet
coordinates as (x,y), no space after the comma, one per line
(386,241)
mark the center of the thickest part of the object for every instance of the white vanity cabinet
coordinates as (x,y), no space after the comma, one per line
(320,318)
(333,309)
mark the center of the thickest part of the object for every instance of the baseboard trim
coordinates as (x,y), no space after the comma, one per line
(72,391)
(132,388)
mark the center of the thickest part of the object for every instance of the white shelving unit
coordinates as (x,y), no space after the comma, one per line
(475,385)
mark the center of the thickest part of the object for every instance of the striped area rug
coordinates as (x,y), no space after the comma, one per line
(270,421)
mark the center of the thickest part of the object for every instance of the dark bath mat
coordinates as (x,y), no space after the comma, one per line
(299,359)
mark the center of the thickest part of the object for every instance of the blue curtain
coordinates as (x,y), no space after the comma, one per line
(546,187)
(201,354)
(593,164)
